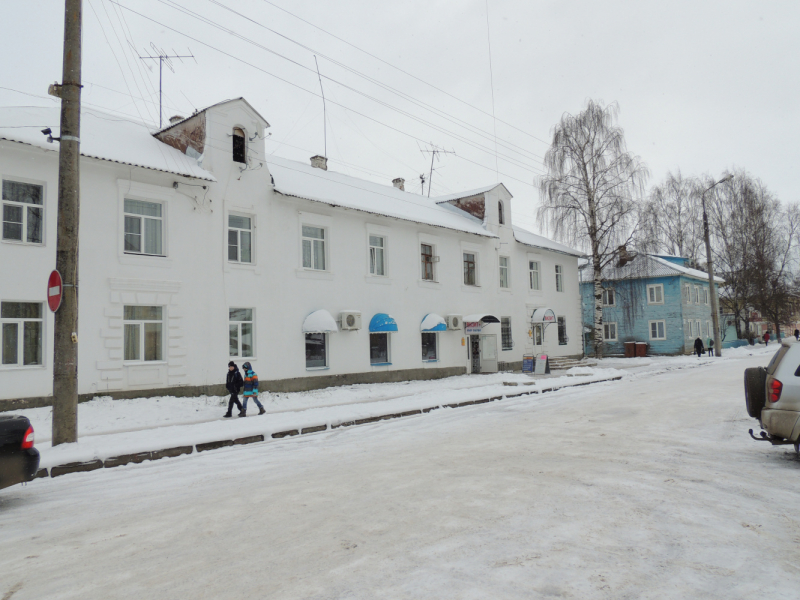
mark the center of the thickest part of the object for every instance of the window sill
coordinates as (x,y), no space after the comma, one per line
(435,360)
(317,368)
(380,364)
(313,274)
(21,243)
(145,259)
(471,288)
(380,279)
(429,283)
(20,367)
(534,292)
(241,265)
(243,358)
(143,363)
(505,290)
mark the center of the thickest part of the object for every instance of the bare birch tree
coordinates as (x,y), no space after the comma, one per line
(589,191)
(672,218)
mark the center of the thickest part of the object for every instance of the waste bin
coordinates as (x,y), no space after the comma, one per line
(630,349)
(641,348)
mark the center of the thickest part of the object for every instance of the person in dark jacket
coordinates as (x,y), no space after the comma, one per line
(698,347)
(233,384)
(797,334)
(711,346)
(250,389)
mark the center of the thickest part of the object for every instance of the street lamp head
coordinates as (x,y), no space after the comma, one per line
(726,178)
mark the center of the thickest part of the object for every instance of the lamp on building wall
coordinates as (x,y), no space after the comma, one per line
(712,287)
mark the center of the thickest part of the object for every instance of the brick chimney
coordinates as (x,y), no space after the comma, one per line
(399,183)
(319,162)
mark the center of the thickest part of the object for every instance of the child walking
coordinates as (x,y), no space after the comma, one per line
(233,383)
(250,389)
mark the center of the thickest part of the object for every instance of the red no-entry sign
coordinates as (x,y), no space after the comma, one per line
(55,290)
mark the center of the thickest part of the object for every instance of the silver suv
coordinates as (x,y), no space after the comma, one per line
(773,396)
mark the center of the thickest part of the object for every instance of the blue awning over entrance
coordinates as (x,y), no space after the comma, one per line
(382,322)
(433,322)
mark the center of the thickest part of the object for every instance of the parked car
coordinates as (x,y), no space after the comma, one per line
(19,460)
(772,395)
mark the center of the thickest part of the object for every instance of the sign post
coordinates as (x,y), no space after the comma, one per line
(55,290)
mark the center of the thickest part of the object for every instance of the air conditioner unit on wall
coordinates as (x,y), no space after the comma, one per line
(350,320)
(454,322)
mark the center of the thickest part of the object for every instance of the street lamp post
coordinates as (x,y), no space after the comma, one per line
(713,289)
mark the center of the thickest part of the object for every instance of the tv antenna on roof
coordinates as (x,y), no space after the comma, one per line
(435,151)
(163,57)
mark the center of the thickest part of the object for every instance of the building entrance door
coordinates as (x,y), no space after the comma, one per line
(488,354)
(475,352)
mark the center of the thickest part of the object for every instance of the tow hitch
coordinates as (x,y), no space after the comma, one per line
(765,437)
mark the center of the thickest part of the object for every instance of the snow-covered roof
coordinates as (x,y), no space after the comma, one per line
(529,238)
(468,193)
(301,180)
(240,99)
(103,136)
(645,265)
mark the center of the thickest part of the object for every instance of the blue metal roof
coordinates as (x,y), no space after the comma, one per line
(382,322)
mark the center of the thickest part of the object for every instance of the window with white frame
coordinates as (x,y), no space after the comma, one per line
(21,324)
(504,275)
(698,327)
(429,346)
(696,295)
(144,227)
(316,350)
(428,260)
(470,273)
(710,329)
(687,293)
(658,330)
(690,328)
(507,341)
(609,297)
(705,295)
(240,239)
(144,333)
(23,212)
(655,294)
(610,332)
(534,269)
(379,353)
(377,255)
(240,332)
(559,278)
(313,248)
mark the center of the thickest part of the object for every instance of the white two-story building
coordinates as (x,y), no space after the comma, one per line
(196,248)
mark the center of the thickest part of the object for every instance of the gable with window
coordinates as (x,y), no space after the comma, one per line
(240,332)
(21,325)
(655,294)
(658,330)
(534,270)
(377,255)
(23,212)
(504,272)
(314,248)
(610,332)
(609,297)
(470,269)
(240,239)
(143,333)
(144,227)
(559,278)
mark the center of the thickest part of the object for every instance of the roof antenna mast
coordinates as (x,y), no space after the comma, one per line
(324,113)
(163,57)
(435,151)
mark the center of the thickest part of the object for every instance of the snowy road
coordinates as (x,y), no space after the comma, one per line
(643,488)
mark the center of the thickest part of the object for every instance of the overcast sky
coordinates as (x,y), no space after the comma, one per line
(701,86)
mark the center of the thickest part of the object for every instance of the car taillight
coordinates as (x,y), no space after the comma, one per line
(775,389)
(27,441)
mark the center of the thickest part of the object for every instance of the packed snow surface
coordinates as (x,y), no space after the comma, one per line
(648,487)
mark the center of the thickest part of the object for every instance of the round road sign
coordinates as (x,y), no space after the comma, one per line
(55,290)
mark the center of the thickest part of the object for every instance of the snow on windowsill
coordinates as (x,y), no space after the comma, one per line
(313,274)
(317,368)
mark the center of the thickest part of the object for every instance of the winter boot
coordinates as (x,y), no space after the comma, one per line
(227,415)
(261,410)
(242,413)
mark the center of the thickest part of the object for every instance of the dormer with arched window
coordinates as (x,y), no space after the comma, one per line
(239,145)
(501,215)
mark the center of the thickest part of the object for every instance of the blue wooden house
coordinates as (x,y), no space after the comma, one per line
(657,299)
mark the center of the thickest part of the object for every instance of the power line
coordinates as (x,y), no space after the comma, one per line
(228,54)
(491,86)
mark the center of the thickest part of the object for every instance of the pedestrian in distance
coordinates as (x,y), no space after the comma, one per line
(766,338)
(797,334)
(698,347)
(233,383)
(711,346)
(250,389)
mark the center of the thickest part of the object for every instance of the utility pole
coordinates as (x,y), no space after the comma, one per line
(710,266)
(65,359)
(435,152)
(162,57)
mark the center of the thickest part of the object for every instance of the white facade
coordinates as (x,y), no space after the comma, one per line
(195,284)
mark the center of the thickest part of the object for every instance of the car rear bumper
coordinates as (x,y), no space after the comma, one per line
(781,423)
(19,466)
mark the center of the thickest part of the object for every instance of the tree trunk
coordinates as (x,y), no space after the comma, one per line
(598,308)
